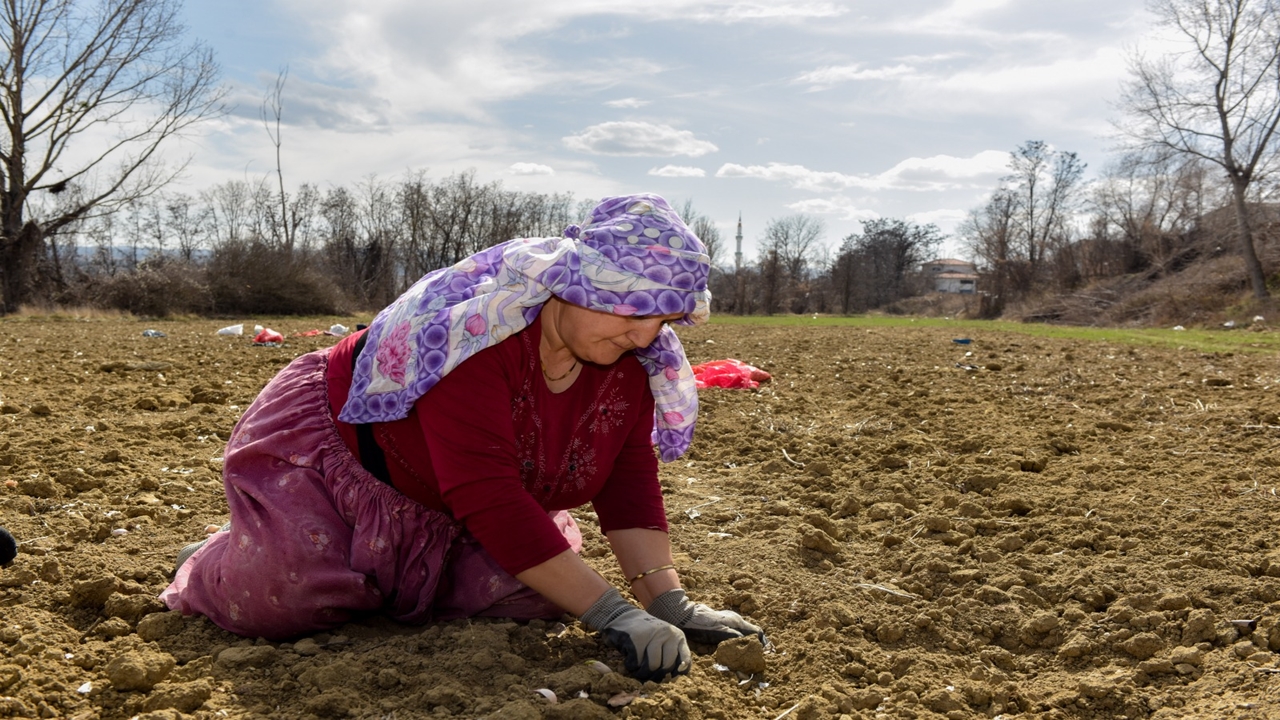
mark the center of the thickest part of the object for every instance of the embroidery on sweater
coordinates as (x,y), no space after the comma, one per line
(580,465)
(609,413)
(530,455)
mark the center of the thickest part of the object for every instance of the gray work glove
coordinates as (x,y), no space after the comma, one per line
(700,623)
(653,648)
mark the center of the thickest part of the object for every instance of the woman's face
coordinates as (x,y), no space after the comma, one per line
(602,338)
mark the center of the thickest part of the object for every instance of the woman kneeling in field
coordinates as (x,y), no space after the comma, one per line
(424,467)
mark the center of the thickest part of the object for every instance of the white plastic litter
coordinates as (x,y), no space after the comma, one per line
(119,532)
(85,689)
(548,694)
(1178,327)
(623,699)
(338,329)
(232,330)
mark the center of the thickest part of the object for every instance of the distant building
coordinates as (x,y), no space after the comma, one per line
(737,256)
(951,276)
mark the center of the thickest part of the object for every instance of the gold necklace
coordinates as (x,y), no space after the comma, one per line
(572,367)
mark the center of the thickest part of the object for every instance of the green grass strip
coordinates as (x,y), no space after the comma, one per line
(1237,340)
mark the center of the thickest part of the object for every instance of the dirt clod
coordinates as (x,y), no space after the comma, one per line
(139,669)
(744,655)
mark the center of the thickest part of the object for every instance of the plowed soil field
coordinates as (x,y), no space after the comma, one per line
(1018,527)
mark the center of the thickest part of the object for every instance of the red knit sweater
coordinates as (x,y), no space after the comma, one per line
(497,450)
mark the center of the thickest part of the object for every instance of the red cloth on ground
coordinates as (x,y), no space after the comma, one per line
(729,373)
(497,450)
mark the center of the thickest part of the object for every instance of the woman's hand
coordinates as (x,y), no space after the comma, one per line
(652,648)
(700,623)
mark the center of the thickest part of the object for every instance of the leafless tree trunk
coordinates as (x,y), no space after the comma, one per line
(1151,201)
(844,276)
(186,223)
(704,227)
(771,279)
(226,203)
(1217,99)
(75,67)
(873,267)
(790,244)
(988,232)
(1044,184)
(272,110)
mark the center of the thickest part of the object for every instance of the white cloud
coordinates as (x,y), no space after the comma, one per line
(678,171)
(840,206)
(836,74)
(946,172)
(629,103)
(798,176)
(1069,93)
(638,139)
(931,174)
(766,10)
(957,18)
(313,105)
(1100,68)
(947,219)
(458,57)
(526,168)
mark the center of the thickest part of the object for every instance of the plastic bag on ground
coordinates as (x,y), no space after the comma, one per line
(731,374)
(333,331)
(267,335)
(232,330)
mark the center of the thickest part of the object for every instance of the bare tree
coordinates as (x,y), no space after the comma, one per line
(272,112)
(1025,231)
(228,205)
(789,248)
(115,68)
(1149,202)
(1218,99)
(988,232)
(796,238)
(772,279)
(704,227)
(1045,187)
(873,268)
(185,222)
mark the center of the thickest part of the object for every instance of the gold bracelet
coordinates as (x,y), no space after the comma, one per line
(654,570)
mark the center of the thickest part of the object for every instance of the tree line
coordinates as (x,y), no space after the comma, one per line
(244,247)
(249,247)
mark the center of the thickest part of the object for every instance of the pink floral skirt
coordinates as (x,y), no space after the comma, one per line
(315,540)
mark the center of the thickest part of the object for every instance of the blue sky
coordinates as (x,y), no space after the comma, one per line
(845,110)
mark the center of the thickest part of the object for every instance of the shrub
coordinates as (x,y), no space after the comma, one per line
(254,278)
(158,288)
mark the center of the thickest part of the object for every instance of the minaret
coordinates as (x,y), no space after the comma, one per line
(737,256)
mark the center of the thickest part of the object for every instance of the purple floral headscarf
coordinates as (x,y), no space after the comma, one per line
(634,257)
